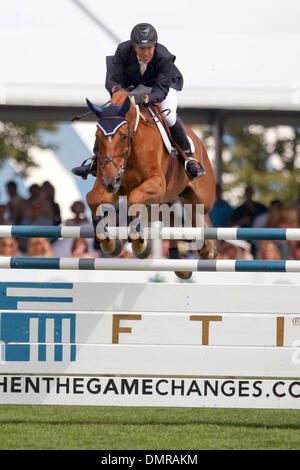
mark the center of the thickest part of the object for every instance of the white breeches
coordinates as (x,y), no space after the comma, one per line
(170,103)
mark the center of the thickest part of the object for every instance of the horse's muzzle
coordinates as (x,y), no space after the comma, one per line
(113,186)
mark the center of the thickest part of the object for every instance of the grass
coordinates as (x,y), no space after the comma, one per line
(106,428)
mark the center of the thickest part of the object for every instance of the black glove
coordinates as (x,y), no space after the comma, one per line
(141,98)
(116,88)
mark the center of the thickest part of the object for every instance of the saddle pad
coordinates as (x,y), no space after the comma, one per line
(165,137)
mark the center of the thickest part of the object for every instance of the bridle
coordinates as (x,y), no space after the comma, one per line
(106,159)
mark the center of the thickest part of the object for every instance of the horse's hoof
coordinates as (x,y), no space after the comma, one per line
(112,248)
(183,274)
(141,249)
(133,236)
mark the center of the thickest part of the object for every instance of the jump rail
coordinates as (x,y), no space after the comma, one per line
(166,233)
(191,265)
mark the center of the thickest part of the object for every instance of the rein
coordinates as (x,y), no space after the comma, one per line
(158,116)
(106,159)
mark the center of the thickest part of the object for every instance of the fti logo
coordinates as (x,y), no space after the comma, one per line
(38,336)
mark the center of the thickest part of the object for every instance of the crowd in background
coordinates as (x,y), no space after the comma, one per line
(40,208)
(256,215)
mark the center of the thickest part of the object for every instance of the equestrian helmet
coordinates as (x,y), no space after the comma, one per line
(143,35)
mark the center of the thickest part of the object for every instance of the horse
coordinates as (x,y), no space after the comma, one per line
(133,161)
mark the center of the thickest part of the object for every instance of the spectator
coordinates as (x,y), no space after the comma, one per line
(295,252)
(268,250)
(16,206)
(8,246)
(290,220)
(165,248)
(290,217)
(80,217)
(235,249)
(36,196)
(34,217)
(39,247)
(3,220)
(221,212)
(48,193)
(80,249)
(63,247)
(273,219)
(244,215)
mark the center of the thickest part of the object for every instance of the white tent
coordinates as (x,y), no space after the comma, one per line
(240,59)
(233,54)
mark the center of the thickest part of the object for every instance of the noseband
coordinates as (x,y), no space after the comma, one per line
(106,159)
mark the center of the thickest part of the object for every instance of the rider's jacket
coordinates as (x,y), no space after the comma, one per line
(161,73)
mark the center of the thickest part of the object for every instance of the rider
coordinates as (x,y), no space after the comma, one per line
(143,61)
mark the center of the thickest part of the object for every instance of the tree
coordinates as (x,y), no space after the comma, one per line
(16,140)
(269,164)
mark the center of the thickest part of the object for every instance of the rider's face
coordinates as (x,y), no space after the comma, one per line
(145,54)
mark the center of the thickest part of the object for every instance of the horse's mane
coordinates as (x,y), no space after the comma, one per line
(119,97)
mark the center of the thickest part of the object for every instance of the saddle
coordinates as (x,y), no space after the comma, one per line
(171,146)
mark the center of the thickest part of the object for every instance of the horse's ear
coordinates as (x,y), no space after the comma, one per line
(97,110)
(125,106)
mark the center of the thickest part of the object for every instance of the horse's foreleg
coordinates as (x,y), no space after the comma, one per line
(95,198)
(149,192)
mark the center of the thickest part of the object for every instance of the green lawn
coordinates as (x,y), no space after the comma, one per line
(68,427)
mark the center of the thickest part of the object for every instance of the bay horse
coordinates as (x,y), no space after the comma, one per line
(133,161)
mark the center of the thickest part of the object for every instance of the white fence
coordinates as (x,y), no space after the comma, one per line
(230,341)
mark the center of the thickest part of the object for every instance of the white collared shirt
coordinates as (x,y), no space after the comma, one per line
(143,67)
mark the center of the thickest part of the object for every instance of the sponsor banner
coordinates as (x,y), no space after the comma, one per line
(150,391)
(21,329)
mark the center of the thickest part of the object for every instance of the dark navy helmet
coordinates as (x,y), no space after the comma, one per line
(143,35)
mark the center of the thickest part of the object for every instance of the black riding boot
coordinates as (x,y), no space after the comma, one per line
(91,168)
(193,167)
(84,170)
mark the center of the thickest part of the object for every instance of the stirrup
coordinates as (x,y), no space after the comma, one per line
(197,171)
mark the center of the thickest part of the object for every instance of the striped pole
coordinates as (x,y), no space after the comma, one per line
(165,233)
(117,264)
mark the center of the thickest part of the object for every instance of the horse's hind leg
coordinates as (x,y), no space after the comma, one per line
(174,253)
(206,249)
(209,249)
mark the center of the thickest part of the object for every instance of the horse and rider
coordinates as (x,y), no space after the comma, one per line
(130,156)
(144,61)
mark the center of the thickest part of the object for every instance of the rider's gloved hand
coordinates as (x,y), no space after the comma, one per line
(142,98)
(116,88)
(146,101)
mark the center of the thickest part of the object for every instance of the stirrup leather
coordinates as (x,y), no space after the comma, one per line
(84,162)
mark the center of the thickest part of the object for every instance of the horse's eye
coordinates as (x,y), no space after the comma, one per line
(123,137)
